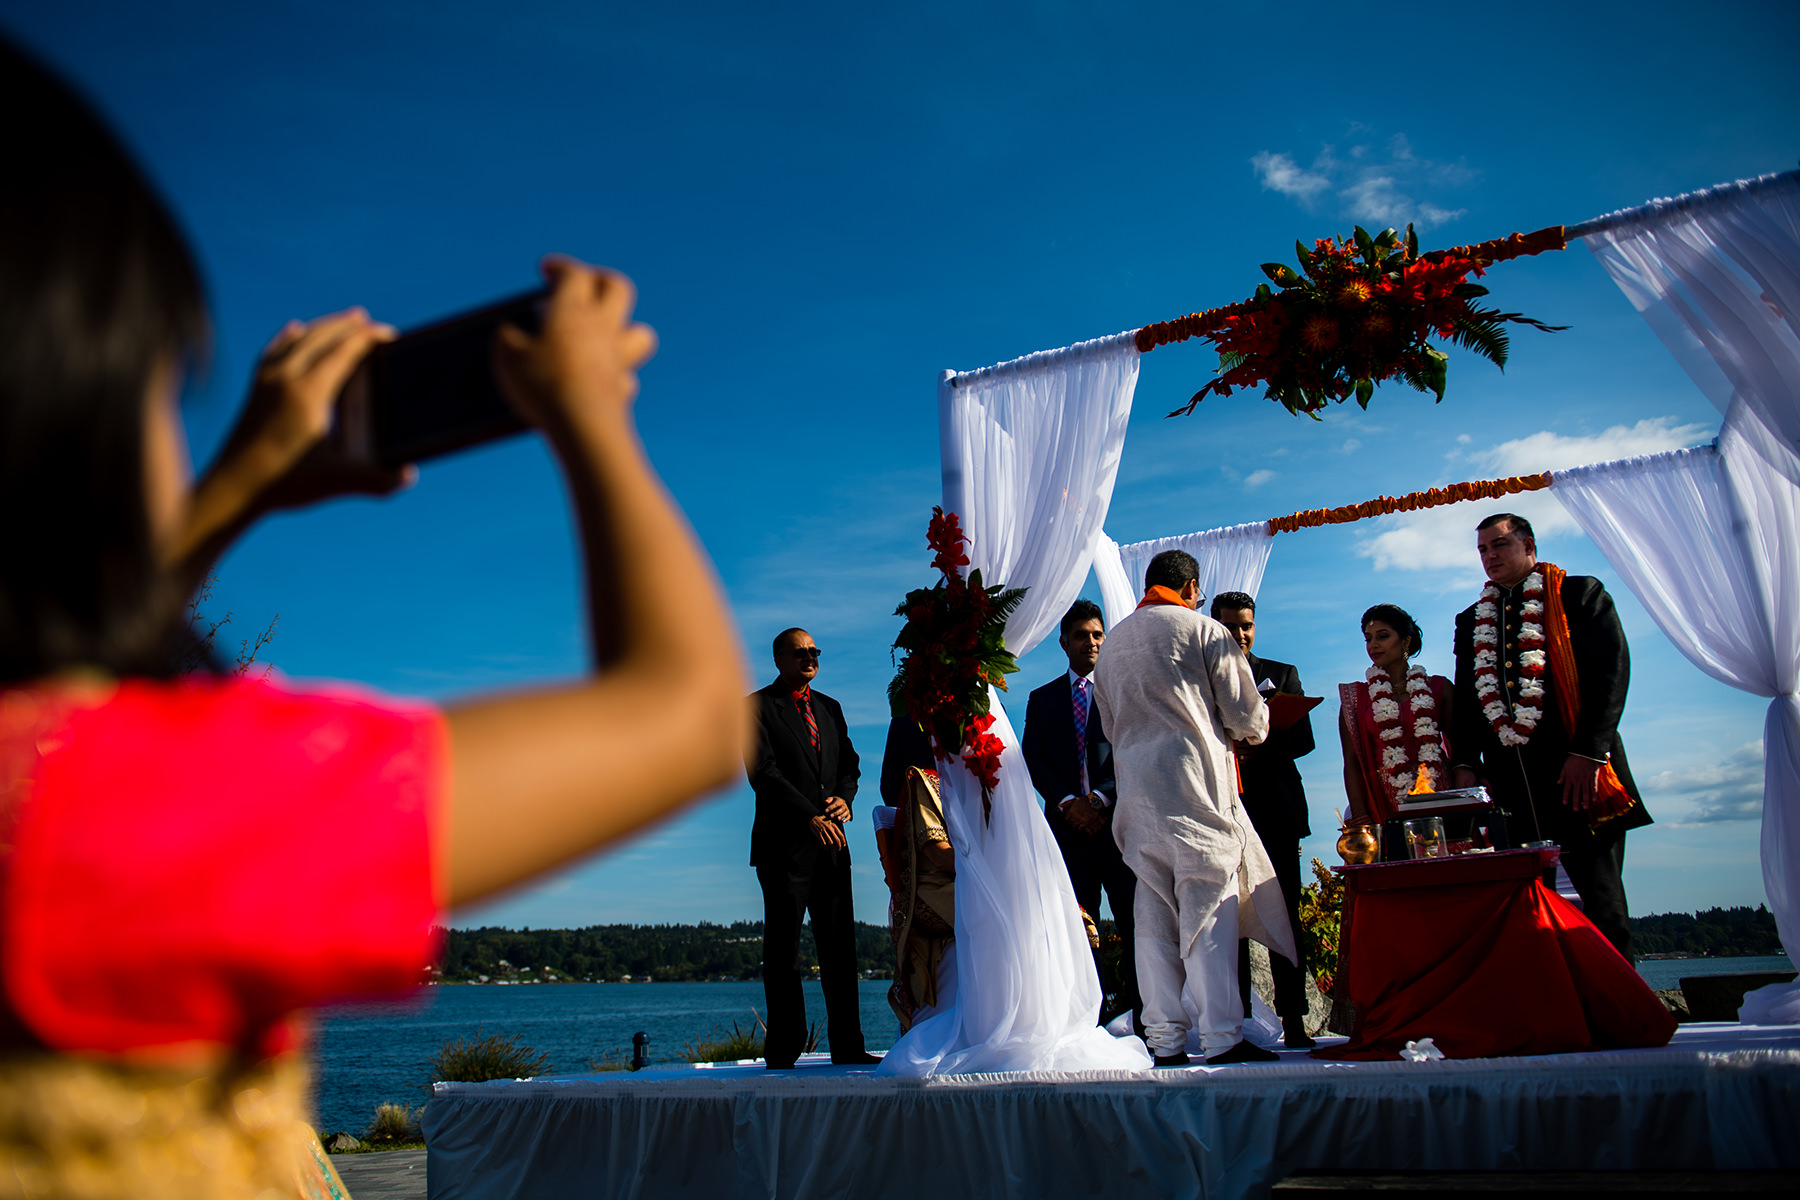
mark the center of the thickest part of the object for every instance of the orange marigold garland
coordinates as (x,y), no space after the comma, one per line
(1357,313)
(955,644)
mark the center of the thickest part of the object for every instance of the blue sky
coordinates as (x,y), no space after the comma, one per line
(825,205)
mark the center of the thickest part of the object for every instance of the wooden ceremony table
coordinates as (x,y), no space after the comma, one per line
(1477,954)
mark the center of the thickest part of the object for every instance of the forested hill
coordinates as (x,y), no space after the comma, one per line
(1718,932)
(666,953)
(691,953)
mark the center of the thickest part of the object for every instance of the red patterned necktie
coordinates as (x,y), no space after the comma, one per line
(803,702)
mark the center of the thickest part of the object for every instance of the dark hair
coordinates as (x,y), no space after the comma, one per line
(97,290)
(1519,524)
(1171,569)
(1080,613)
(1232,600)
(784,635)
(1400,621)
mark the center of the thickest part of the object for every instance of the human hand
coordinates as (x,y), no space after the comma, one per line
(1080,813)
(582,366)
(1580,781)
(837,809)
(829,833)
(1463,777)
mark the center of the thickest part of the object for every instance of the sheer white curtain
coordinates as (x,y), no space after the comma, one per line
(1717,275)
(1231,559)
(1030,452)
(1709,541)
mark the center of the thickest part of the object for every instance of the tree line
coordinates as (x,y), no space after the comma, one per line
(1717,932)
(709,952)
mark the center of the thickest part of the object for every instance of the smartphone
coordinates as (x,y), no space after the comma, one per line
(432,391)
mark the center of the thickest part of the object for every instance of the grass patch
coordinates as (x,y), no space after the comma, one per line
(479,1059)
(394,1125)
(741,1044)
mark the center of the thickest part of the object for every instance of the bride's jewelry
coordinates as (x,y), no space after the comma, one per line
(1513,723)
(1410,740)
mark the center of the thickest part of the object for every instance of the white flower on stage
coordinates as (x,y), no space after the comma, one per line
(1485,611)
(1392,732)
(1531,609)
(1531,632)
(1424,703)
(1485,658)
(1487,635)
(1531,658)
(1494,712)
(1526,718)
(1509,737)
(1400,783)
(1423,1050)
(1385,710)
(1428,753)
(1393,756)
(1531,688)
(1425,727)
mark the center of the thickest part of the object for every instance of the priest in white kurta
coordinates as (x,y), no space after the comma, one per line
(1174,691)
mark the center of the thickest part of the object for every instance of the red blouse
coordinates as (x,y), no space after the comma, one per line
(196,861)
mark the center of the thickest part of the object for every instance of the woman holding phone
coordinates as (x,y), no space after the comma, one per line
(175,889)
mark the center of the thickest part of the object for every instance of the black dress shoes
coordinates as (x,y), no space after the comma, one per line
(1294,1031)
(859,1059)
(1243,1052)
(1177,1059)
(779,1066)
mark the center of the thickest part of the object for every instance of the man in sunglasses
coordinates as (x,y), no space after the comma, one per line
(804,772)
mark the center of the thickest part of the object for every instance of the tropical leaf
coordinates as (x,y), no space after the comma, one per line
(1485,338)
(1282,274)
(1365,388)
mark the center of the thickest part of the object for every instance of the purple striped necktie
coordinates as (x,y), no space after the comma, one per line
(1079,699)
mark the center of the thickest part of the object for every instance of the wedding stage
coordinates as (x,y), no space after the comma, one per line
(1718,1097)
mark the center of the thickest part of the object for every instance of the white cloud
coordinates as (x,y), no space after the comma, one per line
(1350,446)
(1256,479)
(1279,173)
(1729,788)
(1442,539)
(1374,186)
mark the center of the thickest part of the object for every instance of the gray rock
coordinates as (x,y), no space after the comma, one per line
(1676,1002)
(342,1143)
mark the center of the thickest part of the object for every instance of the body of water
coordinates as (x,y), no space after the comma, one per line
(369,1054)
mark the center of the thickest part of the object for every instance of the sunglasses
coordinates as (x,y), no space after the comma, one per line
(804,651)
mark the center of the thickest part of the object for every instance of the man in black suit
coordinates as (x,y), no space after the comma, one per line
(1071,766)
(804,772)
(1276,801)
(1547,785)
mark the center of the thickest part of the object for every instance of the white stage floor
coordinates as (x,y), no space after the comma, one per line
(1720,1096)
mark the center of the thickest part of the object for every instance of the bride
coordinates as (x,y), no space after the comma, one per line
(1393,723)
(1026,997)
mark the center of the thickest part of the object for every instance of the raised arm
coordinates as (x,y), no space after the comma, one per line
(543,777)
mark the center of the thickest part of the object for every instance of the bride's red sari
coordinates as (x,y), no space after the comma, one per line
(1365,743)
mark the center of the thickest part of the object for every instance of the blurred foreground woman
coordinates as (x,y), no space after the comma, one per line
(175,883)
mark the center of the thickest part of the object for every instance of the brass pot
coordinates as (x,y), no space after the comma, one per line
(1358,844)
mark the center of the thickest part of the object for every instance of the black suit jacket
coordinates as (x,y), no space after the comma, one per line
(1525,779)
(1273,794)
(1049,746)
(791,781)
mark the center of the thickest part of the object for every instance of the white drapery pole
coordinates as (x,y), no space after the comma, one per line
(1031,449)
(1709,541)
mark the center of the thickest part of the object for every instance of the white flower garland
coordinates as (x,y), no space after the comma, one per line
(1406,745)
(1515,723)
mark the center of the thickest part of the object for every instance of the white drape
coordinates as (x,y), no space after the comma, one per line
(1709,541)
(1231,559)
(1717,275)
(1030,452)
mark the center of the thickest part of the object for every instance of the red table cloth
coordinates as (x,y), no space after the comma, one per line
(1478,955)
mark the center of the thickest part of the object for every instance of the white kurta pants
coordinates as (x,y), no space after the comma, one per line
(1208,970)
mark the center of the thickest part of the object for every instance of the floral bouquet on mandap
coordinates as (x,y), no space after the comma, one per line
(955,648)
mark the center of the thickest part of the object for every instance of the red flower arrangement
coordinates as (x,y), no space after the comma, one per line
(1357,313)
(955,644)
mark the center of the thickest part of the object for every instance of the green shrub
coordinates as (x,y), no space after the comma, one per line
(612,1060)
(741,1044)
(394,1124)
(477,1059)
